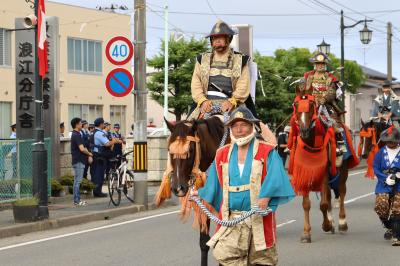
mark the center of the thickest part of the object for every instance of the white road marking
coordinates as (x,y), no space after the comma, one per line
(357,173)
(359,197)
(142,219)
(86,231)
(285,223)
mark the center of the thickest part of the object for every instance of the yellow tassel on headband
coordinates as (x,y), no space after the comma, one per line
(179,149)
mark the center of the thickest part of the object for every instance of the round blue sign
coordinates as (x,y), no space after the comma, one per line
(119,82)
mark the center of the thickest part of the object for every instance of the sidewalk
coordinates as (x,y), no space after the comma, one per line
(63,213)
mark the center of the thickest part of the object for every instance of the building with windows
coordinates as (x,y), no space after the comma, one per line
(82,65)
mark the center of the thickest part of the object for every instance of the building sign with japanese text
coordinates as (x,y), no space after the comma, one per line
(25,81)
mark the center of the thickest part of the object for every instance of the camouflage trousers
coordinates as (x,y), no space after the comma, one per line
(387,204)
(236,247)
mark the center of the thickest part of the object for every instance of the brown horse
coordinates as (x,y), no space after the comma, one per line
(313,162)
(207,133)
(369,142)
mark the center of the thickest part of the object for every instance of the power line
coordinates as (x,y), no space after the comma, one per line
(212,10)
(313,7)
(179,12)
(362,14)
(325,6)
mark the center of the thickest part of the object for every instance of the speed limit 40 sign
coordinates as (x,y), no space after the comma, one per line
(119,50)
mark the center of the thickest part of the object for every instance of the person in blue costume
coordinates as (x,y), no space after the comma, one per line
(387,190)
(244,173)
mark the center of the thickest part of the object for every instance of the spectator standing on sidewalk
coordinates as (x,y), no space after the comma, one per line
(14,149)
(80,156)
(62,130)
(91,129)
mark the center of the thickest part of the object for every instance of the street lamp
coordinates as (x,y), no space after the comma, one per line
(365,36)
(324,47)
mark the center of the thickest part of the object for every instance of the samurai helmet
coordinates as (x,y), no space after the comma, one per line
(221,28)
(320,58)
(242,113)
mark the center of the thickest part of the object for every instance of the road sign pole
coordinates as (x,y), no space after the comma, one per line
(140,131)
(39,153)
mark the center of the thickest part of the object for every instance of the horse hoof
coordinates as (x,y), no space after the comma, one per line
(333,230)
(343,228)
(305,239)
(328,228)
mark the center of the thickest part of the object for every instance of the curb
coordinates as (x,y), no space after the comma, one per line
(20,229)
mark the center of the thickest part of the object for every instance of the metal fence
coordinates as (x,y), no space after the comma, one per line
(16,168)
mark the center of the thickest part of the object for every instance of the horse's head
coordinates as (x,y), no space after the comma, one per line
(367,136)
(305,111)
(182,150)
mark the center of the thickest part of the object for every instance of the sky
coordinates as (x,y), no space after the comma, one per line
(279,24)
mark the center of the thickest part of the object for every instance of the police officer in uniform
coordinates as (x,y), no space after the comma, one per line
(121,140)
(102,151)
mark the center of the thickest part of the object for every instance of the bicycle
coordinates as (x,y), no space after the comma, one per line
(120,178)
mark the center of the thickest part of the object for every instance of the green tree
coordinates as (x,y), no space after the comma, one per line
(280,70)
(182,58)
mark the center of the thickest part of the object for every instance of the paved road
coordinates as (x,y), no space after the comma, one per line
(158,238)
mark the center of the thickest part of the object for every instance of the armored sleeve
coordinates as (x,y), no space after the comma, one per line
(196,87)
(242,88)
(395,108)
(375,109)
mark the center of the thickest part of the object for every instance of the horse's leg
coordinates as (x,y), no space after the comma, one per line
(306,237)
(204,237)
(325,207)
(342,190)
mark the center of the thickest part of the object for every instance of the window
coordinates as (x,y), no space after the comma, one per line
(84,56)
(5,48)
(5,118)
(117,115)
(87,112)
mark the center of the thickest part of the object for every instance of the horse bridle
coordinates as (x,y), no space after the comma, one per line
(369,133)
(314,117)
(197,154)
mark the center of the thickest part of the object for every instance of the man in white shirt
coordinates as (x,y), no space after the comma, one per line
(14,149)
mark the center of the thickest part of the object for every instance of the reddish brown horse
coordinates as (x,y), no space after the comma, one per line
(313,156)
(369,142)
(192,147)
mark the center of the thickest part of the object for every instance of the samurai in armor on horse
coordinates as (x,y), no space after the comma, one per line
(321,150)
(386,105)
(221,80)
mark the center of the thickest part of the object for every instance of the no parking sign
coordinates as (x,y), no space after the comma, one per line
(119,82)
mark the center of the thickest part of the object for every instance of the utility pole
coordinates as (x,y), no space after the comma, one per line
(140,131)
(389,51)
(166,44)
(39,153)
